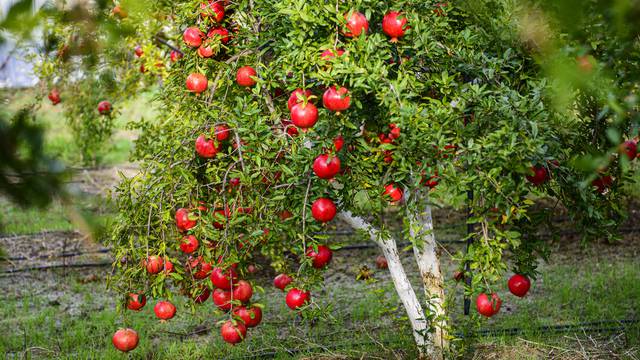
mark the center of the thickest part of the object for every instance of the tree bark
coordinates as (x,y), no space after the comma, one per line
(399,277)
(425,253)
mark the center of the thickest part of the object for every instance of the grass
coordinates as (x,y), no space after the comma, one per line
(71,318)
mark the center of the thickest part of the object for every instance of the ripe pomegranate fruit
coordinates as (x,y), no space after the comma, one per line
(125,339)
(198,268)
(394,24)
(298,96)
(336,99)
(221,33)
(222,132)
(185,220)
(330,54)
(104,107)
(220,216)
(297,298)
(164,310)
(175,55)
(250,316)
(192,36)
(138,51)
(213,9)
(338,143)
(393,192)
(242,291)
(519,285)
(245,75)
(356,24)
(222,299)
(323,210)
(154,264)
(136,302)
(629,148)
(488,307)
(282,281)
(381,262)
(206,148)
(321,257)
(304,115)
(197,83)
(168,266)
(189,244)
(222,279)
(206,50)
(602,183)
(394,132)
(326,166)
(54,96)
(202,296)
(539,175)
(233,332)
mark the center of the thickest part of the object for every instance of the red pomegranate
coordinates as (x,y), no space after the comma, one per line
(206,148)
(198,268)
(125,340)
(326,166)
(185,220)
(222,132)
(136,302)
(250,316)
(202,296)
(168,266)
(222,279)
(297,298)
(222,299)
(104,107)
(221,33)
(323,210)
(175,55)
(154,264)
(298,96)
(488,307)
(356,24)
(519,285)
(393,192)
(602,183)
(242,291)
(197,83)
(54,96)
(245,76)
(394,132)
(629,148)
(321,257)
(336,99)
(282,281)
(394,24)
(381,262)
(330,54)
(164,310)
(220,216)
(233,332)
(539,175)
(189,244)
(207,49)
(192,36)
(214,9)
(304,115)
(338,143)
(138,51)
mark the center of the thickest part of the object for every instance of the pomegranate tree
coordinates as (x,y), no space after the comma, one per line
(248,161)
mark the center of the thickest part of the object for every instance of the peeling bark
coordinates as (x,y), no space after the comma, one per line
(400,280)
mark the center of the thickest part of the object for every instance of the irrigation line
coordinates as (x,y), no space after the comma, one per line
(57,266)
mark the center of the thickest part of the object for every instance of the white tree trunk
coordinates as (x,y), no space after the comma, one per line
(399,277)
(425,252)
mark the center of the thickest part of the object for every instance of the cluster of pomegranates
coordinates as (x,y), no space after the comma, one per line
(489,305)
